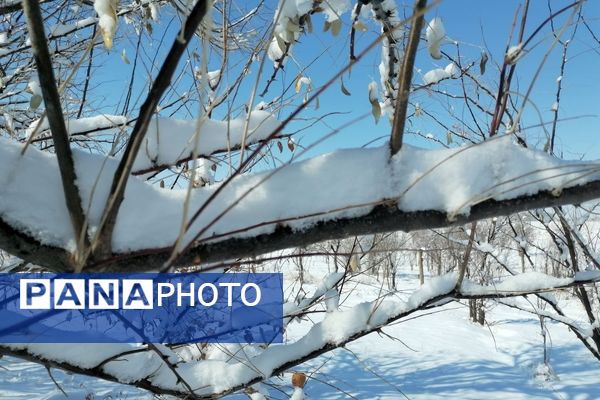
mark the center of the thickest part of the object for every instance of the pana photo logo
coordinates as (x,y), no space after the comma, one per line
(165,308)
(129,293)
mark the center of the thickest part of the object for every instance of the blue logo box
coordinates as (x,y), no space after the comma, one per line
(141,308)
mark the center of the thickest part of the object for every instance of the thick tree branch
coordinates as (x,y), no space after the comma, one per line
(60,136)
(382,218)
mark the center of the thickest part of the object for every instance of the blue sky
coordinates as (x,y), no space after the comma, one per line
(475,24)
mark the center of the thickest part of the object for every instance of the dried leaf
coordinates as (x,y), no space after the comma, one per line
(298,379)
(344,90)
(35,101)
(374,100)
(336,27)
(359,26)
(376,110)
(418,110)
(514,54)
(107,11)
(298,86)
(280,147)
(290,144)
(308,22)
(293,26)
(280,43)
(326,26)
(449,138)
(213,167)
(124,57)
(162,184)
(483,62)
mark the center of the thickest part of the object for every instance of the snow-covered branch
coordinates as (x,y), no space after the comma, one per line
(259,213)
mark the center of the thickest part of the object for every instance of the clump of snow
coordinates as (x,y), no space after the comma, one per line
(64,29)
(530,281)
(332,300)
(153,11)
(67,352)
(33,86)
(436,286)
(213,77)
(81,125)
(514,53)
(438,74)
(435,35)
(204,174)
(298,394)
(169,140)
(107,19)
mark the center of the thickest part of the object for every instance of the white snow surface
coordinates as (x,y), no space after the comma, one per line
(345,183)
(80,125)
(438,74)
(169,140)
(107,19)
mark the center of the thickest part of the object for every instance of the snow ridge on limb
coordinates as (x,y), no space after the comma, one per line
(150,369)
(272,210)
(170,140)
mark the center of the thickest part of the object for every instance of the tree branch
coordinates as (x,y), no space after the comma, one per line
(406,72)
(382,218)
(60,136)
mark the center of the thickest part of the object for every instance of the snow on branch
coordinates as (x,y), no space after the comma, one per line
(348,192)
(168,140)
(171,371)
(80,126)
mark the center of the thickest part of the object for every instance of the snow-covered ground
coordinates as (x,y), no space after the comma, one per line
(436,354)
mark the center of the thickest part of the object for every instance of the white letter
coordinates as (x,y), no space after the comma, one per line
(229,286)
(103,294)
(162,294)
(69,294)
(34,294)
(189,294)
(138,294)
(244,300)
(201,297)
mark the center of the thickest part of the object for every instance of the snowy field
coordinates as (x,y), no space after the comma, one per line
(436,354)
